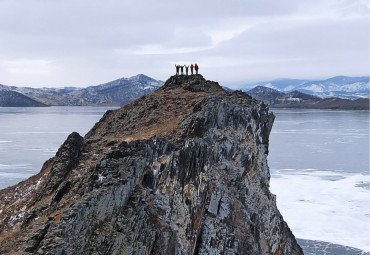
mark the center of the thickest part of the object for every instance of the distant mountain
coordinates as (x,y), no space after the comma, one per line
(15,99)
(297,99)
(268,95)
(115,93)
(227,88)
(282,85)
(25,90)
(339,86)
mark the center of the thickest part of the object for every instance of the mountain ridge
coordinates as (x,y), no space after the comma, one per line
(339,86)
(122,91)
(114,93)
(298,99)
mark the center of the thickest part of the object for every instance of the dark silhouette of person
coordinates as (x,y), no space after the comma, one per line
(196,68)
(191,68)
(182,70)
(186,69)
(177,69)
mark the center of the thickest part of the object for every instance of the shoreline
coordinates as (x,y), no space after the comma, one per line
(316,247)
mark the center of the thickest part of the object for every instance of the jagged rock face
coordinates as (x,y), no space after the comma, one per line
(182,171)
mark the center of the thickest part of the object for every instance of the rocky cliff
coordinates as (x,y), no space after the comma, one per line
(181,171)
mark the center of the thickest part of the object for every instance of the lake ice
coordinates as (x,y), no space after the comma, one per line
(319,163)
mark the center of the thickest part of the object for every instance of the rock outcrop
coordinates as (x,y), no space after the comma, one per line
(181,171)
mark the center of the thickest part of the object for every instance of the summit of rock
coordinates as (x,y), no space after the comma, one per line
(194,83)
(180,171)
(169,110)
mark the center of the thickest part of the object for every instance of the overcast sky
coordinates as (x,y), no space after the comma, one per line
(58,43)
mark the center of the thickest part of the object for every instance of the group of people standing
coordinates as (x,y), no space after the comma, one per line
(181,68)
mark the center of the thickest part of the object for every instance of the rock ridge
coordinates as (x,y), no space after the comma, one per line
(181,171)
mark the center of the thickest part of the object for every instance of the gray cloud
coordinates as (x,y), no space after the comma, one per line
(79,43)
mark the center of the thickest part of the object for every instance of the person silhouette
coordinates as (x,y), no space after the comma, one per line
(177,69)
(186,69)
(196,68)
(182,70)
(191,68)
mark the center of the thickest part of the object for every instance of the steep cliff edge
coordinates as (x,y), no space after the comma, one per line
(181,171)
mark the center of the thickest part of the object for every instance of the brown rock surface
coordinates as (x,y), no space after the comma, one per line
(181,171)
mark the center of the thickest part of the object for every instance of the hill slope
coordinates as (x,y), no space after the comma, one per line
(296,99)
(115,93)
(15,99)
(181,171)
(339,86)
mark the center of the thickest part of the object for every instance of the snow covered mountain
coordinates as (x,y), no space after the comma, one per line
(339,86)
(297,99)
(115,93)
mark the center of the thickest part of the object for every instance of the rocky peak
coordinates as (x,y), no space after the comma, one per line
(264,90)
(194,83)
(181,171)
(143,79)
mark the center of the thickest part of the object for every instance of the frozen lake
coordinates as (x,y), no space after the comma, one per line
(30,136)
(319,163)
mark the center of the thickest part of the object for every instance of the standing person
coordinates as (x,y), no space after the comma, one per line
(182,70)
(186,69)
(191,69)
(196,68)
(177,69)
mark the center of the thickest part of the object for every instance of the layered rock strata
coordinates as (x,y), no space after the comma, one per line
(181,171)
